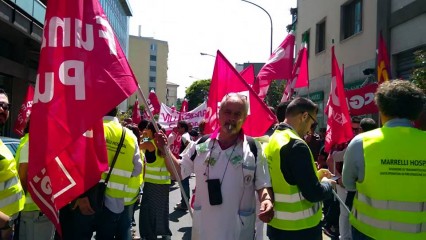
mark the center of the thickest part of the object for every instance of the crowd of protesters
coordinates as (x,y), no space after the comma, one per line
(371,187)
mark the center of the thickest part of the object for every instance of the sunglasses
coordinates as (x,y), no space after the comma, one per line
(5,106)
(313,119)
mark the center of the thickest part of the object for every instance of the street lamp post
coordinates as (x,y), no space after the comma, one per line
(270,19)
(206,54)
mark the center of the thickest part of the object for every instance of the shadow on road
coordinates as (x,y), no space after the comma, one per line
(187,233)
(175,215)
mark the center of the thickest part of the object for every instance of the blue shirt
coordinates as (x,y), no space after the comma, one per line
(354,166)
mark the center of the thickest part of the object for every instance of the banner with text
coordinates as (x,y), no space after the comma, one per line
(169,118)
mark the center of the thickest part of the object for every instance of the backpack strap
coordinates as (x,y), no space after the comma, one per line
(201,140)
(253,147)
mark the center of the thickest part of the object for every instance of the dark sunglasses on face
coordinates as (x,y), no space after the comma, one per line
(5,106)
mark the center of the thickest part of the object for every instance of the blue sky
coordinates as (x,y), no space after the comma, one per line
(241,31)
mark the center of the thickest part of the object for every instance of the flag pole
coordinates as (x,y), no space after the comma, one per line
(341,201)
(167,152)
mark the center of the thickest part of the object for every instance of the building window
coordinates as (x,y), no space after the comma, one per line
(151,79)
(153,58)
(351,18)
(320,37)
(152,68)
(153,47)
(152,89)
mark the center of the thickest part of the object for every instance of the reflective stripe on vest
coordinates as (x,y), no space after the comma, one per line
(390,201)
(10,199)
(393,205)
(293,216)
(156,172)
(9,183)
(156,177)
(120,172)
(391,225)
(290,198)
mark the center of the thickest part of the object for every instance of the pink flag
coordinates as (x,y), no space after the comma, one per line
(225,80)
(24,112)
(184,107)
(300,74)
(82,75)
(279,65)
(136,113)
(248,75)
(339,127)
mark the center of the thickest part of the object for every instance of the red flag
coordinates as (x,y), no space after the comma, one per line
(24,112)
(279,65)
(136,114)
(82,75)
(184,107)
(383,66)
(300,74)
(361,100)
(225,80)
(153,102)
(339,127)
(248,75)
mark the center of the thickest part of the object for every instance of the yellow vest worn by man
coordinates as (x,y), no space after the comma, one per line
(391,201)
(292,210)
(123,167)
(12,197)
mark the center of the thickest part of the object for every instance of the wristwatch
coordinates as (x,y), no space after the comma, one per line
(9,224)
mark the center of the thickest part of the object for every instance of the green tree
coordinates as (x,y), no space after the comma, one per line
(419,74)
(197,93)
(275,93)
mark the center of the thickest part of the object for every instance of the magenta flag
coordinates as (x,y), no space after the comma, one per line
(83,74)
(339,127)
(279,65)
(226,80)
(24,112)
(248,75)
(136,113)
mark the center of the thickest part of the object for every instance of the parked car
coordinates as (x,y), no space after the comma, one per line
(11,143)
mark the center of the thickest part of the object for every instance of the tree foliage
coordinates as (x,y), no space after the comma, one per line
(419,74)
(197,93)
(275,93)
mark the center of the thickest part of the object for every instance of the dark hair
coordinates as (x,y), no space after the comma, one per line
(355,119)
(184,124)
(301,105)
(400,99)
(142,124)
(151,127)
(112,112)
(367,124)
(281,109)
(135,131)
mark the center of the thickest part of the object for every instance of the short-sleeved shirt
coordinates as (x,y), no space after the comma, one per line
(240,175)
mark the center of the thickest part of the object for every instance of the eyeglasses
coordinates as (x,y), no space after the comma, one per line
(313,119)
(5,106)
